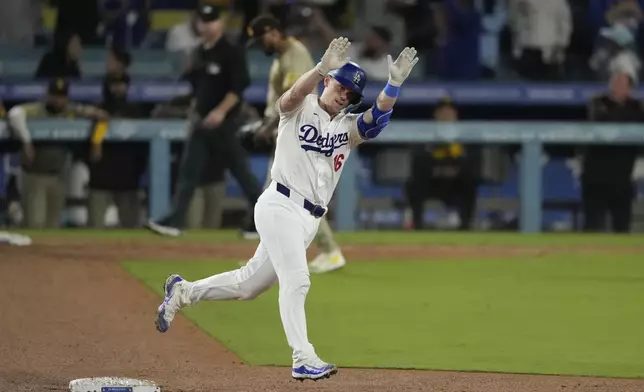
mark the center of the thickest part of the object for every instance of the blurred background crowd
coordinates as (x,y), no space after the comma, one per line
(459,39)
(499,41)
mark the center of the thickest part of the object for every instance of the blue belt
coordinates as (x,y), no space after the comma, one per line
(315,209)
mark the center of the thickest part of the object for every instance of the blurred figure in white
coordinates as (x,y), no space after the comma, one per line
(541,34)
(183,37)
(615,49)
(19,22)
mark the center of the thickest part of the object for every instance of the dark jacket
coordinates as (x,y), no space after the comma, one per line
(609,164)
(122,163)
(56,63)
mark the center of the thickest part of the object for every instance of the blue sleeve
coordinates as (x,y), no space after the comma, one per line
(379,121)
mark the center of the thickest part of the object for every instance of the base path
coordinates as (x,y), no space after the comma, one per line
(70,311)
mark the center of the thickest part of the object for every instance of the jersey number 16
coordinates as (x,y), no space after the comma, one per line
(337,161)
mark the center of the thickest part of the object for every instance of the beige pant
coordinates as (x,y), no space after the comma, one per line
(127,204)
(207,206)
(43,197)
(324,238)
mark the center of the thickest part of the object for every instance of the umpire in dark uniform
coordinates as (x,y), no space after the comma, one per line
(219,76)
(606,179)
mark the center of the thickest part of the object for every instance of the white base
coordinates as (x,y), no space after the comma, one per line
(112,384)
(14,239)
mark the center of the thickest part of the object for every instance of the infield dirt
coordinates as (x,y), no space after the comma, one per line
(70,311)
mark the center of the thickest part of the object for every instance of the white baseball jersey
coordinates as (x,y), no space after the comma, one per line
(311,149)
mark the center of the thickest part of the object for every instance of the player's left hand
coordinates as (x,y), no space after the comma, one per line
(399,70)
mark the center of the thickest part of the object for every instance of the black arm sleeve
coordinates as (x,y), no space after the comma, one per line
(240,79)
(190,74)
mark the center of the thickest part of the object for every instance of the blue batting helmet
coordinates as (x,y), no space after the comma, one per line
(352,77)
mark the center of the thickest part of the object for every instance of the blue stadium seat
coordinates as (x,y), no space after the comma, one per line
(559,182)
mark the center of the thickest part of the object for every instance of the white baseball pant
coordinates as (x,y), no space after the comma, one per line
(286,230)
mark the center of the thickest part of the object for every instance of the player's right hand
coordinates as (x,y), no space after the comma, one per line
(214,118)
(335,55)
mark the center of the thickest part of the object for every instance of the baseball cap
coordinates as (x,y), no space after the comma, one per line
(58,86)
(208,12)
(445,101)
(260,25)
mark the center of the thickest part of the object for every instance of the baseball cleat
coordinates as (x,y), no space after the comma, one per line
(163,230)
(171,303)
(327,262)
(316,370)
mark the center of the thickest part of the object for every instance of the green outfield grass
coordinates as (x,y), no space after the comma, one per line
(360,237)
(560,314)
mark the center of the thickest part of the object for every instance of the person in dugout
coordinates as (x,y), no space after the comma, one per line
(44,164)
(129,159)
(606,178)
(445,172)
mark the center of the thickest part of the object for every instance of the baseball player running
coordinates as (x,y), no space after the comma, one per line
(314,138)
(292,61)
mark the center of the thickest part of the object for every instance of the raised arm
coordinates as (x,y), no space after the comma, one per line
(370,123)
(333,58)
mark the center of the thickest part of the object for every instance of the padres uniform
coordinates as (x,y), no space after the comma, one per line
(43,174)
(285,70)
